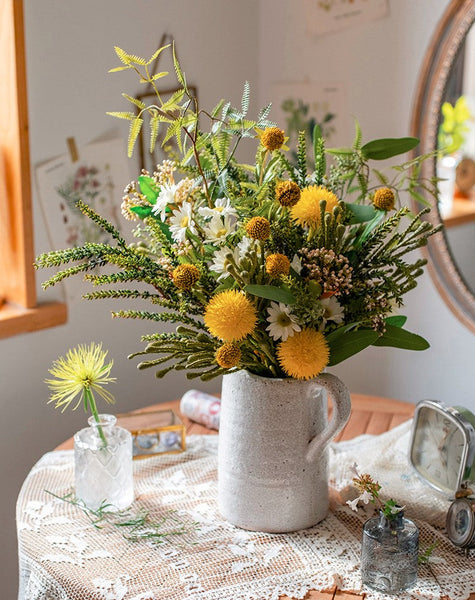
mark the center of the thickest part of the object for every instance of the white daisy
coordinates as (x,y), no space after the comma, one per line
(334,311)
(165,197)
(220,260)
(281,322)
(181,221)
(222,207)
(243,246)
(218,229)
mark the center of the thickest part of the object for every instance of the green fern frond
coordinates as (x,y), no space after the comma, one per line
(245,98)
(122,115)
(302,159)
(179,73)
(157,53)
(135,128)
(135,101)
(154,126)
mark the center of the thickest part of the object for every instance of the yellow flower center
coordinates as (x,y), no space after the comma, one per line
(258,228)
(287,193)
(228,355)
(384,199)
(184,221)
(277,264)
(185,276)
(272,138)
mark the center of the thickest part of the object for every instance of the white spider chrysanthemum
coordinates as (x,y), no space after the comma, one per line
(164,199)
(222,207)
(181,221)
(281,322)
(220,261)
(334,311)
(218,229)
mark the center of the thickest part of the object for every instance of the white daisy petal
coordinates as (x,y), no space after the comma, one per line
(282,323)
(182,221)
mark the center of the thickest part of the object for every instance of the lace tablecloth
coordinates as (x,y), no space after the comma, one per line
(63,557)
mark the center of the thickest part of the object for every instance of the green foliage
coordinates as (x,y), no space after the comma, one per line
(350,263)
(135,525)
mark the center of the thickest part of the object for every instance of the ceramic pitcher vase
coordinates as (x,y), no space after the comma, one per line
(272,455)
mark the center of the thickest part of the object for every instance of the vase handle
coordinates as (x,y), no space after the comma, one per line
(341,413)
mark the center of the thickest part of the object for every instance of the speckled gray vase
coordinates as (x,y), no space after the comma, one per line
(272,457)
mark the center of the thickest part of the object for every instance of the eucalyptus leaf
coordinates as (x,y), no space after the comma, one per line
(141,211)
(361,213)
(388,147)
(340,151)
(396,320)
(342,346)
(149,188)
(401,338)
(271,292)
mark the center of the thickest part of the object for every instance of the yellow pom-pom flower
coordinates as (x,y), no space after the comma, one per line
(228,355)
(185,276)
(272,138)
(384,199)
(258,228)
(277,265)
(304,355)
(307,209)
(287,193)
(230,316)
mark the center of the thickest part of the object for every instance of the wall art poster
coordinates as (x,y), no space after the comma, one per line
(327,16)
(98,178)
(300,106)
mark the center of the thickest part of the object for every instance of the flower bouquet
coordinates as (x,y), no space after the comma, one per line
(268,267)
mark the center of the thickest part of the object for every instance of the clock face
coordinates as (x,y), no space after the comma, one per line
(438,450)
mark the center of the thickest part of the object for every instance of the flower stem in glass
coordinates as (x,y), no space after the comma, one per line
(89,399)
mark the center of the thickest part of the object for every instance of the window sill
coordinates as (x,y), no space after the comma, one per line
(15,320)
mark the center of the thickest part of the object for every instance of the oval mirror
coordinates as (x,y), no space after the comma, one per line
(444,120)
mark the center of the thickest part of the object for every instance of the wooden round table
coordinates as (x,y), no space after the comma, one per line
(370,414)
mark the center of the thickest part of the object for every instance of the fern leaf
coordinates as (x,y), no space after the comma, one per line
(135,128)
(122,115)
(245,98)
(179,73)
(154,124)
(172,102)
(135,101)
(116,69)
(159,75)
(127,59)
(157,53)
(122,55)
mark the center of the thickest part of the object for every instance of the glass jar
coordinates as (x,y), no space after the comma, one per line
(389,553)
(103,472)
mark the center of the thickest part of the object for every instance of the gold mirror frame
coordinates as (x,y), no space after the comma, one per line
(440,56)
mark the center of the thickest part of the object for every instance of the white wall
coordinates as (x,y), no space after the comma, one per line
(221,44)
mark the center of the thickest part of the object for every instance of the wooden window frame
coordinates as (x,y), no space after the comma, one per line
(19,312)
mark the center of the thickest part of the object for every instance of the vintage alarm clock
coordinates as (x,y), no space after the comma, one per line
(442,447)
(460,523)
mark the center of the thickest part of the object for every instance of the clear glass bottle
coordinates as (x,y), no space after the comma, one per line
(104,473)
(389,553)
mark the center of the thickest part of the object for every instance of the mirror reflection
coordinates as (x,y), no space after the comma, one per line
(456,165)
